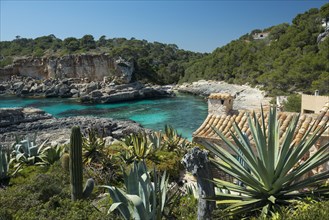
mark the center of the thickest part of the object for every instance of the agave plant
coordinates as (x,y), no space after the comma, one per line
(25,153)
(141,198)
(155,138)
(271,173)
(136,147)
(174,141)
(49,155)
(27,147)
(93,146)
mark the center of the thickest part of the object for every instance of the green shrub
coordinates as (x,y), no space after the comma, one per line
(168,161)
(44,193)
(62,208)
(6,61)
(293,103)
(186,208)
(32,187)
(317,210)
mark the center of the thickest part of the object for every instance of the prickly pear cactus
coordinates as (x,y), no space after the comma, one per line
(76,163)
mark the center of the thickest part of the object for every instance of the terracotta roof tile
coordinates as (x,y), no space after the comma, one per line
(220,96)
(224,123)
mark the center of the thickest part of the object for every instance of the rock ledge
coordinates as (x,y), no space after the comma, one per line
(26,121)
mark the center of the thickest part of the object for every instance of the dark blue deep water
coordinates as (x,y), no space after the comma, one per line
(184,112)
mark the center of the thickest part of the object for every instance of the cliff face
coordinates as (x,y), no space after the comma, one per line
(92,67)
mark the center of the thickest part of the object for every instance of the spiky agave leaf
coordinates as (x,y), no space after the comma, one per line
(141,198)
(273,179)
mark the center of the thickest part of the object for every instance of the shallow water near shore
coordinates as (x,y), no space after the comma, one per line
(184,112)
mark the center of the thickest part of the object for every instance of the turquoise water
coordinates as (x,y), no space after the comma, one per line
(184,112)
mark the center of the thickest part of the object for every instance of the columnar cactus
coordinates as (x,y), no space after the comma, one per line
(76,163)
(65,161)
(3,164)
(88,188)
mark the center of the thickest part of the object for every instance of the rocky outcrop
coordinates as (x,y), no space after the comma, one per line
(84,66)
(24,121)
(245,97)
(92,92)
(322,36)
(127,92)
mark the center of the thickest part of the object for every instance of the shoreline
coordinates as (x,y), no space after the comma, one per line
(27,121)
(85,92)
(100,92)
(245,97)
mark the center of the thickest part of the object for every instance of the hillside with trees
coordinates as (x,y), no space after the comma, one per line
(288,59)
(154,62)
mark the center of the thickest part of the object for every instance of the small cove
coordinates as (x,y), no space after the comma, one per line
(184,112)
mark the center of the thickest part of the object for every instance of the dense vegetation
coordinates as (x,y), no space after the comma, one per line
(131,178)
(290,59)
(36,180)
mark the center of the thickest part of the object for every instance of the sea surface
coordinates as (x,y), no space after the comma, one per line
(184,112)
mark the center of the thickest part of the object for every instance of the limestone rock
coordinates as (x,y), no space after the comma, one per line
(74,91)
(64,91)
(93,92)
(245,97)
(23,121)
(91,67)
(3,87)
(18,86)
(96,94)
(91,87)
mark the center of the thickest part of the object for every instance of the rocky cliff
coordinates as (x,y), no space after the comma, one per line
(87,66)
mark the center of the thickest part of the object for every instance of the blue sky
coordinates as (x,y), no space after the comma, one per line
(193,25)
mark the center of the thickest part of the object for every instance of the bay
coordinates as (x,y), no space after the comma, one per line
(184,112)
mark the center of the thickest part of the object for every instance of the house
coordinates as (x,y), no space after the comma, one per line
(313,103)
(260,36)
(222,116)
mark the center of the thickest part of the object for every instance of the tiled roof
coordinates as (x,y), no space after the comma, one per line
(220,96)
(224,123)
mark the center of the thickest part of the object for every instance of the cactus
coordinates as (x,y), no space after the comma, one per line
(76,163)
(65,162)
(88,188)
(4,167)
(3,164)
